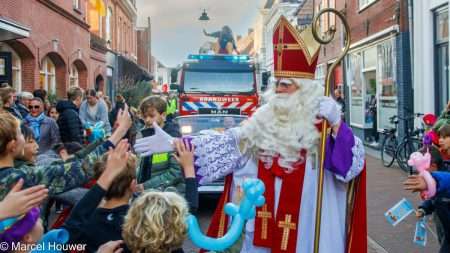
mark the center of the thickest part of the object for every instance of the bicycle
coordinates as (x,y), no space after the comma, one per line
(410,143)
(391,150)
(389,144)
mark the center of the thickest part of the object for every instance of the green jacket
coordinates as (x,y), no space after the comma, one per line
(443,119)
(172,106)
(59,176)
(166,174)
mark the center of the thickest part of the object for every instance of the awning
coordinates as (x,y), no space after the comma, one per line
(10,30)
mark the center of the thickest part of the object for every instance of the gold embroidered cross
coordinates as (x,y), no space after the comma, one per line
(264,215)
(281,46)
(287,226)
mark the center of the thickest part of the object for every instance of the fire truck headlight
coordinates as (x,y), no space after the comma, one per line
(186,129)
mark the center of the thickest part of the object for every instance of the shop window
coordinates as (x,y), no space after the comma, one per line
(387,82)
(16,67)
(320,74)
(370,59)
(73,77)
(48,76)
(354,66)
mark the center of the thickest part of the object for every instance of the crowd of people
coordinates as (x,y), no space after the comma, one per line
(113,200)
(439,205)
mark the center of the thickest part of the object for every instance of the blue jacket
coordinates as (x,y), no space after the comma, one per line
(49,134)
(443,184)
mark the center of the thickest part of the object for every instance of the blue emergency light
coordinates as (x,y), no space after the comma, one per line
(231,58)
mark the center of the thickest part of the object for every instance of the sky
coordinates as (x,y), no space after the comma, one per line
(176,30)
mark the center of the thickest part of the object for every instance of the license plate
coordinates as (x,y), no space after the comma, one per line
(234,111)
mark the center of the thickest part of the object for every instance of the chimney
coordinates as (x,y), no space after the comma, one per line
(250,30)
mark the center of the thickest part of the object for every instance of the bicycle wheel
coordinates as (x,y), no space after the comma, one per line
(405,149)
(388,148)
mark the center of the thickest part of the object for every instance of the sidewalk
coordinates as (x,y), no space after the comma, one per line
(384,189)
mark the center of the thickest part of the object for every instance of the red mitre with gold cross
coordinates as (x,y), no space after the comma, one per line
(295,53)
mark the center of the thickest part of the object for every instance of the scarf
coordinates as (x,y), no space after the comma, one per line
(35,124)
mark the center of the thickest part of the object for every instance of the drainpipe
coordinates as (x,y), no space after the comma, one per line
(411,37)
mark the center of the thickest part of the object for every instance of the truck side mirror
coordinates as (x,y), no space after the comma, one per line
(265,80)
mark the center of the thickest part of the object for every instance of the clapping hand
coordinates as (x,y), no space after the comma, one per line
(19,201)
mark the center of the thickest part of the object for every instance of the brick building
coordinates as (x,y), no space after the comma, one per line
(118,29)
(57,52)
(144,46)
(376,73)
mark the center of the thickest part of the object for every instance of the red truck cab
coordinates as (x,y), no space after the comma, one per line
(218,84)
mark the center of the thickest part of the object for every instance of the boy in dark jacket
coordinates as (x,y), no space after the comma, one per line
(158,169)
(69,122)
(439,206)
(94,222)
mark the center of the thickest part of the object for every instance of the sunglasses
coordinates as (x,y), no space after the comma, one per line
(31,107)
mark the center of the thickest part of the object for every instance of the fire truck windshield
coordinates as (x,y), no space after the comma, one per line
(220,82)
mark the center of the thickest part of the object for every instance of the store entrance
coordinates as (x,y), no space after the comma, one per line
(370,115)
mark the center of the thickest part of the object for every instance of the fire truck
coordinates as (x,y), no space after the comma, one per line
(218,84)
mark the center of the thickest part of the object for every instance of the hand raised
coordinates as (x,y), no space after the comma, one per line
(185,157)
(19,201)
(116,164)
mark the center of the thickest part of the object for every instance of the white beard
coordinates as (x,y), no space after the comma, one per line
(284,126)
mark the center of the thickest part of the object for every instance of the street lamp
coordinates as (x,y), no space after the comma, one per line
(204,16)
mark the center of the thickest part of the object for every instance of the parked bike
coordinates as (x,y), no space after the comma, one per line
(393,149)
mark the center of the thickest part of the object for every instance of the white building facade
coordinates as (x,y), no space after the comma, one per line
(431,55)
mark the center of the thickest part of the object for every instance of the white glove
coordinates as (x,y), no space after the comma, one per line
(160,142)
(330,110)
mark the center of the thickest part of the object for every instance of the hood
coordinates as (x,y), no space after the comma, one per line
(63,105)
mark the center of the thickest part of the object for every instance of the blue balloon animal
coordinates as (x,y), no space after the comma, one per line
(96,131)
(253,196)
(55,236)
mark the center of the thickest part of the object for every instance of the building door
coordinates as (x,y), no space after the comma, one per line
(371,110)
(6,68)
(442,90)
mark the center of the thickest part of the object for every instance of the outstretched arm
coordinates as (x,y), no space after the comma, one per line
(214,34)
(216,155)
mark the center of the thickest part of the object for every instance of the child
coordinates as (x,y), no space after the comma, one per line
(156,221)
(29,230)
(57,177)
(158,171)
(93,225)
(439,207)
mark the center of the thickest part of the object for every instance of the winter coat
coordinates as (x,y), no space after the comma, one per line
(49,134)
(13,110)
(23,110)
(69,122)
